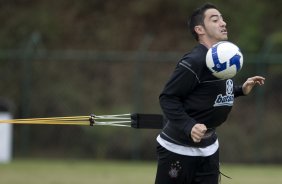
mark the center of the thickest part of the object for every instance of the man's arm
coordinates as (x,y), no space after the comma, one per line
(181,83)
(251,82)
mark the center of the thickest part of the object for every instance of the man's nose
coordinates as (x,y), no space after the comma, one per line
(223,23)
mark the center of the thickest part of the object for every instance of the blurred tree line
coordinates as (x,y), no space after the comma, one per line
(116,25)
(52,87)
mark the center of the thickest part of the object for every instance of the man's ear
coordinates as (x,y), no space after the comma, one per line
(199,29)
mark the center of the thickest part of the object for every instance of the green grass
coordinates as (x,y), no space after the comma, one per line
(76,172)
(252,174)
(118,172)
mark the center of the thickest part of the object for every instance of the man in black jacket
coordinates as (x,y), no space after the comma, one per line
(188,146)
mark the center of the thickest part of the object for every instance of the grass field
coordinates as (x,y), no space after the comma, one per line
(118,172)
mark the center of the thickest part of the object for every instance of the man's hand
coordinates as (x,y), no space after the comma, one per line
(251,82)
(198,131)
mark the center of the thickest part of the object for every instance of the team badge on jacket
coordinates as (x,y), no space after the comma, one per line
(228,98)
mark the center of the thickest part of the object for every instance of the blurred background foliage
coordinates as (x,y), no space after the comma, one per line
(45,71)
(117,25)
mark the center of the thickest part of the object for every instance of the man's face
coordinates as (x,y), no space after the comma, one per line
(214,26)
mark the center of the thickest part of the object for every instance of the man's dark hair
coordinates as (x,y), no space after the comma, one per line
(197,18)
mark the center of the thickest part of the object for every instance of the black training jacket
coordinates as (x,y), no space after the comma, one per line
(193,95)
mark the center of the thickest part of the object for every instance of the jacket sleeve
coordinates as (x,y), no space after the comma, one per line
(238,91)
(181,83)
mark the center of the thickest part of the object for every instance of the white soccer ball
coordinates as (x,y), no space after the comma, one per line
(224,60)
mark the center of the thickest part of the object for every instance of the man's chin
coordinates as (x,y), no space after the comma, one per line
(224,38)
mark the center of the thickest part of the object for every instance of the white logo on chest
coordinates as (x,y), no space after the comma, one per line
(228,99)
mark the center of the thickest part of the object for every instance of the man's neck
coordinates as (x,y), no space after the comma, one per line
(206,43)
